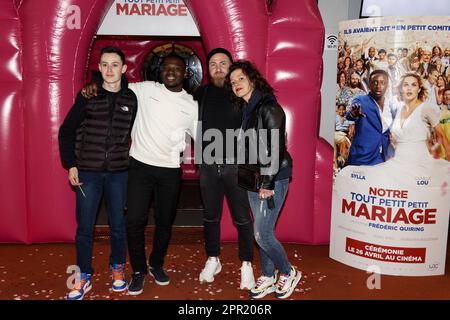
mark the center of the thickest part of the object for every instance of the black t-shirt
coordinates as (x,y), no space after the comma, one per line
(112,97)
(218,113)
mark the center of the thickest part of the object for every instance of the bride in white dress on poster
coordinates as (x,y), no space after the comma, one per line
(412,164)
(416,120)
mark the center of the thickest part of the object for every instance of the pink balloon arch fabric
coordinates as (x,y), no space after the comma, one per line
(45,57)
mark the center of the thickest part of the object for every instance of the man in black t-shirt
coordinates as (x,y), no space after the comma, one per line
(218,171)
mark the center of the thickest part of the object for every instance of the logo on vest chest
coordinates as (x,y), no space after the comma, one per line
(125,108)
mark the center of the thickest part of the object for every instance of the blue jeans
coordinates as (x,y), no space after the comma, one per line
(271,251)
(114,186)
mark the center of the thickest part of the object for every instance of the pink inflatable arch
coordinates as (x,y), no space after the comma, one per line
(44,62)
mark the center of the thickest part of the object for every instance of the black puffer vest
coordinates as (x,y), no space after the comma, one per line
(103,142)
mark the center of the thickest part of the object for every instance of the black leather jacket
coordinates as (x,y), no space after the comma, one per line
(268,114)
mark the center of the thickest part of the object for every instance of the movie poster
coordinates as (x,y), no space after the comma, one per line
(391,190)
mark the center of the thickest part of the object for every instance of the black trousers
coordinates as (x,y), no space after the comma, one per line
(143,180)
(216,181)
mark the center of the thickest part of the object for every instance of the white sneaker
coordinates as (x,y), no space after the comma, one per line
(263,287)
(212,267)
(287,284)
(247,278)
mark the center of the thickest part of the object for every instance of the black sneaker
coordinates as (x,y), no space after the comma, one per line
(136,285)
(161,278)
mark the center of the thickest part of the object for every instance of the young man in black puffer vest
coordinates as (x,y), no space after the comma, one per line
(94,143)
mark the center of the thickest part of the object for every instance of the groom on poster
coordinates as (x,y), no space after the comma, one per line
(373,117)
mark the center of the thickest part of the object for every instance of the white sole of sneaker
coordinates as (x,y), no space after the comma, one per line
(119,290)
(247,287)
(291,290)
(159,282)
(81,297)
(263,293)
(203,280)
(135,293)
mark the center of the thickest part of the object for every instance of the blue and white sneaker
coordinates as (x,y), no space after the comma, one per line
(84,286)
(119,283)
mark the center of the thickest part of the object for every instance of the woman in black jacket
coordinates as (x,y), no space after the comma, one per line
(264,124)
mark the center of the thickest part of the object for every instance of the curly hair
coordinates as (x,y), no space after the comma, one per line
(254,77)
(423,92)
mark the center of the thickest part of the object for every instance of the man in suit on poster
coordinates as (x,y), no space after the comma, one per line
(373,117)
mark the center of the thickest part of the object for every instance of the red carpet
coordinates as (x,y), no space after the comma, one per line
(38,272)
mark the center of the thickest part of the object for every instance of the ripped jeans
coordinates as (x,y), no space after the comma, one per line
(273,255)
